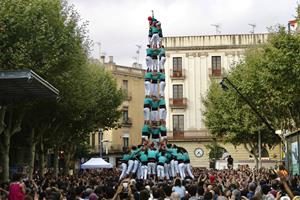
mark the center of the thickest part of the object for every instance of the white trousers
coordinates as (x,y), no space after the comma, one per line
(154,64)
(181,167)
(174,168)
(144,172)
(124,168)
(149,62)
(147,88)
(151,168)
(162,114)
(135,166)
(188,168)
(162,63)
(162,85)
(154,115)
(154,39)
(160,171)
(167,171)
(154,89)
(147,114)
(130,166)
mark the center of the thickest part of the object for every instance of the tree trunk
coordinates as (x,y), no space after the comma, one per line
(41,158)
(4,150)
(256,161)
(67,158)
(55,162)
(2,116)
(32,149)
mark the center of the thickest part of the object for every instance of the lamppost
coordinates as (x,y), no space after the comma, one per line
(100,132)
(225,88)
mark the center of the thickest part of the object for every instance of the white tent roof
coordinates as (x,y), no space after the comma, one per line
(96,163)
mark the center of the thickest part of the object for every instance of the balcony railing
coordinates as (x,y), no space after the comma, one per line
(177,74)
(178,102)
(127,122)
(178,135)
(216,73)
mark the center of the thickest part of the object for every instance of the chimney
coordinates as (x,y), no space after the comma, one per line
(111,59)
(102,59)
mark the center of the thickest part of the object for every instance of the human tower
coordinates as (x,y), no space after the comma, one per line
(155,158)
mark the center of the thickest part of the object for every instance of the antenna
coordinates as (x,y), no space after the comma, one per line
(152,13)
(138,53)
(218,27)
(99,45)
(253,26)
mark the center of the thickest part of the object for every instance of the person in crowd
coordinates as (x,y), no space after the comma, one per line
(230,162)
(179,188)
(163,132)
(17,189)
(155,135)
(143,157)
(187,163)
(155,53)
(161,161)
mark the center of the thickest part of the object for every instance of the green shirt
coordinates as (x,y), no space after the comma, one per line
(161,76)
(152,153)
(155,77)
(146,128)
(161,102)
(126,157)
(154,29)
(155,131)
(155,52)
(162,159)
(155,105)
(162,51)
(148,75)
(179,156)
(186,156)
(148,101)
(143,156)
(149,51)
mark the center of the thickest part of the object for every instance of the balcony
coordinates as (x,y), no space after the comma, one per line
(178,135)
(177,74)
(216,73)
(178,102)
(127,122)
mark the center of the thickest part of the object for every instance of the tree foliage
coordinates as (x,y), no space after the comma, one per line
(46,37)
(269,78)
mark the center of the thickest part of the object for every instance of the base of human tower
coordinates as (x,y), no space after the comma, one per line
(148,162)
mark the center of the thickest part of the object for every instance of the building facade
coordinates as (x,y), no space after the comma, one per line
(114,141)
(192,63)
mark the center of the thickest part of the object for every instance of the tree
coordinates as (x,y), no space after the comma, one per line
(43,36)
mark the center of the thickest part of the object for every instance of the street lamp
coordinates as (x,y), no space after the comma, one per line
(225,88)
(100,132)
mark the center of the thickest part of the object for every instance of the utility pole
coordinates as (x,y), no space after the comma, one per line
(100,132)
(253,26)
(217,27)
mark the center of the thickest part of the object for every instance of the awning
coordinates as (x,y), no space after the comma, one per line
(96,163)
(24,85)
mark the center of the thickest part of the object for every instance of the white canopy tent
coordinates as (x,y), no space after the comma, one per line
(96,163)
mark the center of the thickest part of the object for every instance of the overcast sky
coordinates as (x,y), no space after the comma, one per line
(119,25)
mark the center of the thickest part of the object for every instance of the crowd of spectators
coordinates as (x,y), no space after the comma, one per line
(208,184)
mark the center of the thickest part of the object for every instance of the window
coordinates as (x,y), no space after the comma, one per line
(125,141)
(177,91)
(216,62)
(177,64)
(178,123)
(125,115)
(125,86)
